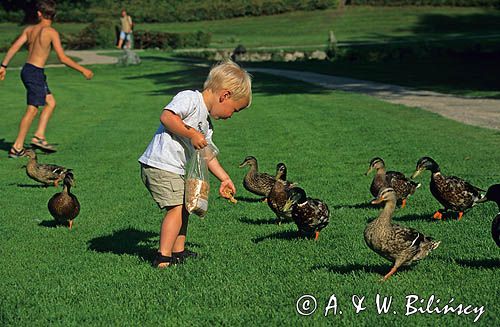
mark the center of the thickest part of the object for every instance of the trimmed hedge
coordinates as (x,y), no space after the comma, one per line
(99,34)
(154,11)
(456,3)
(163,40)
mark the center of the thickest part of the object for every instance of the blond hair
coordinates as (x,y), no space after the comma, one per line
(229,75)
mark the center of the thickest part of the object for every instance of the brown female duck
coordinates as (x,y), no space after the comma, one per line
(398,244)
(452,192)
(64,206)
(44,173)
(310,215)
(254,181)
(398,181)
(278,195)
(493,194)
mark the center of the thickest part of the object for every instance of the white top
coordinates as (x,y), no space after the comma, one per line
(170,152)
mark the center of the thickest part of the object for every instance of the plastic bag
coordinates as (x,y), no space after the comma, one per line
(197,187)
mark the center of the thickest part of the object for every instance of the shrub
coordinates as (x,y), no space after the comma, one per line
(458,3)
(163,40)
(99,34)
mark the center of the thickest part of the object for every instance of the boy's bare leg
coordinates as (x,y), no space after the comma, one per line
(170,228)
(120,43)
(45,116)
(181,239)
(24,126)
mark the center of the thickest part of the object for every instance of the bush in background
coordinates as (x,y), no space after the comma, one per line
(163,40)
(457,3)
(99,34)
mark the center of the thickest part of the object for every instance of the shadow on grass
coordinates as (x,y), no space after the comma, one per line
(192,77)
(480,263)
(125,241)
(32,186)
(259,221)
(287,235)
(362,205)
(380,269)
(48,224)
(5,146)
(247,199)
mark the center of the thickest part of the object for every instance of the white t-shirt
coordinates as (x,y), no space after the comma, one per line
(170,152)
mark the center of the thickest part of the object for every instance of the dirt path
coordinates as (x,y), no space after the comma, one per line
(472,111)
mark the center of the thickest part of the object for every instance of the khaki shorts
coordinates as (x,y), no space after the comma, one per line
(166,188)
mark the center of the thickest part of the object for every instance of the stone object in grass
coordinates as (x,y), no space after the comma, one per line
(129,57)
(318,55)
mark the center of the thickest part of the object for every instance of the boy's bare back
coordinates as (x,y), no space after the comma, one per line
(39,44)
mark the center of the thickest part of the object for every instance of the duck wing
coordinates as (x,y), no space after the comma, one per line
(454,193)
(411,244)
(401,184)
(311,216)
(259,183)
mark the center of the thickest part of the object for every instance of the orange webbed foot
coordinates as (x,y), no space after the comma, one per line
(460,214)
(389,274)
(438,215)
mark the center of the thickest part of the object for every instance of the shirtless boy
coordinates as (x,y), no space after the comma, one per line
(40,38)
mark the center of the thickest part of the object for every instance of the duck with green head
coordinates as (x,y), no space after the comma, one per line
(454,193)
(310,215)
(493,194)
(400,245)
(403,186)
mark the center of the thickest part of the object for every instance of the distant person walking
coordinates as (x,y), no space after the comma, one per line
(126,30)
(40,38)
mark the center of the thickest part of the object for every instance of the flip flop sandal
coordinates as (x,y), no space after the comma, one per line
(42,144)
(159,259)
(13,153)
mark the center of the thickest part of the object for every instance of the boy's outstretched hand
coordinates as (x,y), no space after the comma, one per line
(227,189)
(3,71)
(87,73)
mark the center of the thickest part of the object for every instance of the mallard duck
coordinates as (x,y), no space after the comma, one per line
(452,192)
(278,195)
(44,173)
(254,181)
(310,215)
(493,194)
(403,186)
(64,206)
(400,245)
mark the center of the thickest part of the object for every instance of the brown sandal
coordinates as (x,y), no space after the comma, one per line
(13,153)
(42,144)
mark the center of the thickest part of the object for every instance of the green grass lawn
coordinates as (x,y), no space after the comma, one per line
(354,24)
(311,28)
(250,271)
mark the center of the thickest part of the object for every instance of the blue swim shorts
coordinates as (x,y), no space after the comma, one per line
(35,82)
(125,36)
